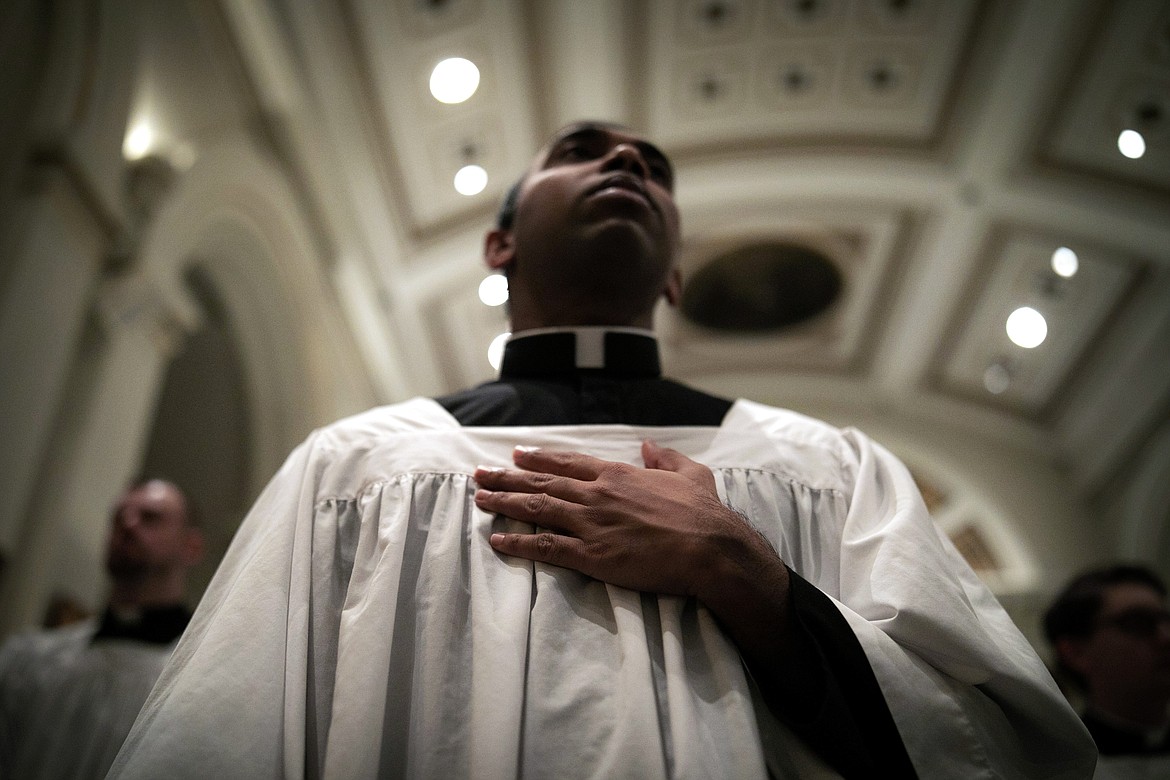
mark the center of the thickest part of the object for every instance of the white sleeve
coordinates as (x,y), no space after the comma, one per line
(238,674)
(968,693)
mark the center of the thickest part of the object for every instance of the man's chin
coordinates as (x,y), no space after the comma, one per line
(625,229)
(123,569)
(624,246)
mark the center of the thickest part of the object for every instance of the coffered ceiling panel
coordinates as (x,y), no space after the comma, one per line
(985,365)
(401,43)
(1124,84)
(819,68)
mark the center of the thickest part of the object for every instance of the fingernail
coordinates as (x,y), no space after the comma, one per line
(497,539)
(481,494)
(482,467)
(526,448)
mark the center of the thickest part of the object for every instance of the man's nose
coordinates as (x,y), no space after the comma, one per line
(1162,633)
(626,157)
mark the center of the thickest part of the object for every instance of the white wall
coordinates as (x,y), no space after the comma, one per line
(93,301)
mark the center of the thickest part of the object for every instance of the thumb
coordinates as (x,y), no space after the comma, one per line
(666,459)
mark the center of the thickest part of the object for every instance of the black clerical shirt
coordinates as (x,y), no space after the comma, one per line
(1115,740)
(153,625)
(541,384)
(593,376)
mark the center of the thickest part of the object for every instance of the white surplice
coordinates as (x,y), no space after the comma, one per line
(66,702)
(361,625)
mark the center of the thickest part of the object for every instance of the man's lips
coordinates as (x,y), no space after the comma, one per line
(624,185)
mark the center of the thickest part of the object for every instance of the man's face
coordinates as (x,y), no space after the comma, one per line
(596,222)
(149,532)
(1129,649)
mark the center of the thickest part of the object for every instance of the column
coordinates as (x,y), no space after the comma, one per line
(96,448)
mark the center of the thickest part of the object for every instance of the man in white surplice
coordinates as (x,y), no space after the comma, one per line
(69,695)
(584,569)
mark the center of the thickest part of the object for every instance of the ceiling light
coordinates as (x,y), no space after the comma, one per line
(496,350)
(138,141)
(1131,144)
(454,80)
(493,290)
(1026,327)
(470,180)
(997,378)
(1064,262)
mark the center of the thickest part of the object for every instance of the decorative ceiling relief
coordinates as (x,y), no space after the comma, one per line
(760,69)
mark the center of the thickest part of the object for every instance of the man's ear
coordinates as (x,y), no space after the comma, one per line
(673,291)
(499,249)
(194,545)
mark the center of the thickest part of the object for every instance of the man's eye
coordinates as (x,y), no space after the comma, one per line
(575,153)
(660,173)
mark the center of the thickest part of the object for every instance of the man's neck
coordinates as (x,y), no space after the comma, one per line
(527,314)
(1134,714)
(145,592)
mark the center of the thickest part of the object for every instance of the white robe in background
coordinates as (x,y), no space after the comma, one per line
(66,703)
(361,625)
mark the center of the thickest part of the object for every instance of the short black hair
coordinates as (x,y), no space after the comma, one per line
(507,213)
(1074,612)
(1075,609)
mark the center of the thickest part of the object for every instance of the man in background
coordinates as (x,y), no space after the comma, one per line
(1111,632)
(69,696)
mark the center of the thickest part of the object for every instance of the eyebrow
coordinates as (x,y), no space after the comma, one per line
(590,132)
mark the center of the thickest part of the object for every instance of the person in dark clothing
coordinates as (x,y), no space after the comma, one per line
(69,696)
(1111,632)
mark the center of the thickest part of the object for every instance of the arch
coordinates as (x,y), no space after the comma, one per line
(200,434)
(233,218)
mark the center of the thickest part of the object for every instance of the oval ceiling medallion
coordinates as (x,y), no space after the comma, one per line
(761,287)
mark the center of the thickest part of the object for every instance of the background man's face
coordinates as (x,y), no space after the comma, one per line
(1129,650)
(149,531)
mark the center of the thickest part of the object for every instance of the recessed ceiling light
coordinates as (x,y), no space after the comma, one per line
(493,290)
(1064,262)
(496,350)
(997,377)
(1026,327)
(454,80)
(1131,144)
(470,180)
(138,141)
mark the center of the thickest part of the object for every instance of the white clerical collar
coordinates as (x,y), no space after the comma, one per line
(590,341)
